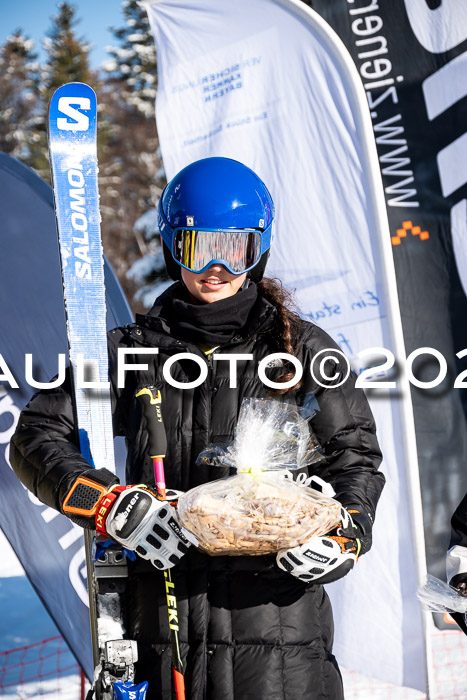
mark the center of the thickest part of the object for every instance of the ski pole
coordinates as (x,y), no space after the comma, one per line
(151,400)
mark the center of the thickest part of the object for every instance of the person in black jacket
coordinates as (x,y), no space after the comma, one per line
(250,627)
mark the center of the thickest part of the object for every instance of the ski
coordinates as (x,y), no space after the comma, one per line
(73,159)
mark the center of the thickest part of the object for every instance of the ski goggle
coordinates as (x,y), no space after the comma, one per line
(237,249)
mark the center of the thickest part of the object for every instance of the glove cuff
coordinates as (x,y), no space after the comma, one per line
(82,500)
(362,518)
(104,506)
(363,521)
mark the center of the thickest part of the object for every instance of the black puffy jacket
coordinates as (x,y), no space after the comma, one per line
(249,631)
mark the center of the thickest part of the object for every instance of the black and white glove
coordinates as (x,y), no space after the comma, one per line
(134,517)
(330,557)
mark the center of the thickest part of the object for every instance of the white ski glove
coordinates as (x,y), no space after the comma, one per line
(327,558)
(134,517)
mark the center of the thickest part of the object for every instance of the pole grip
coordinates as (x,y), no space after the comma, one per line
(151,402)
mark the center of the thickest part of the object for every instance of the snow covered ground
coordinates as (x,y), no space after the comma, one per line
(69,690)
(23,621)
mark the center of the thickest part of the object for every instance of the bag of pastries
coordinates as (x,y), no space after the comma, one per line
(261,509)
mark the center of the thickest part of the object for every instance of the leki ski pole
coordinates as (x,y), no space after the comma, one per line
(157,443)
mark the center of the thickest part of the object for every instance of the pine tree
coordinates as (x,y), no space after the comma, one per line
(132,176)
(133,64)
(18,94)
(67,61)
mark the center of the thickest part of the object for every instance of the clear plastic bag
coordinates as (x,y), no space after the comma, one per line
(438,596)
(258,511)
(270,435)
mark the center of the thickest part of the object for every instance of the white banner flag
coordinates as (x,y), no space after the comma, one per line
(268,83)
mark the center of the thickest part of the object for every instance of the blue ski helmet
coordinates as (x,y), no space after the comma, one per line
(216,210)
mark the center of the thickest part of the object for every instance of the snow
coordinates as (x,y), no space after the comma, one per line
(146,52)
(108,624)
(358,687)
(67,689)
(144,108)
(109,65)
(147,224)
(148,294)
(20,41)
(141,269)
(140,36)
(150,264)
(121,52)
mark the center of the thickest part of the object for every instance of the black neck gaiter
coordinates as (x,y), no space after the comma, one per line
(209,324)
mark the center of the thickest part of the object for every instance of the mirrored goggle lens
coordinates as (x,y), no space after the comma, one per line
(240,250)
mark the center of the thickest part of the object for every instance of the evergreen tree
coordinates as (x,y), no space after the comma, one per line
(18,94)
(132,176)
(67,61)
(133,65)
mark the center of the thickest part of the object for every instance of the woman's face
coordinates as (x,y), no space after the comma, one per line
(213,284)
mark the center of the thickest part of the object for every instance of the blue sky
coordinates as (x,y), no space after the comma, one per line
(33,17)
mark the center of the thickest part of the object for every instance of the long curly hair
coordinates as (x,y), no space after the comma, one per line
(288,326)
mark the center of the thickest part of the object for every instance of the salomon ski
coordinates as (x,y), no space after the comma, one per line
(73,157)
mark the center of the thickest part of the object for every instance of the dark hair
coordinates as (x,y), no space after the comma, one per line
(288,325)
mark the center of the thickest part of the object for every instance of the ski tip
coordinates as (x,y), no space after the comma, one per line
(74,89)
(73,109)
